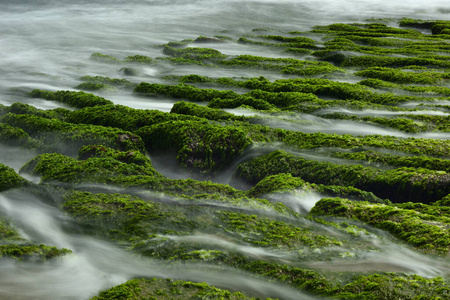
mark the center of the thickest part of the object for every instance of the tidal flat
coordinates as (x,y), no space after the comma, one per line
(282,159)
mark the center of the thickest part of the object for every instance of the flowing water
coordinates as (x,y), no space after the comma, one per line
(46,44)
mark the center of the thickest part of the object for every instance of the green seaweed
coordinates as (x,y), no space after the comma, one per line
(199,146)
(10,179)
(34,253)
(167,289)
(399,185)
(185,91)
(75,99)
(424,231)
(192,109)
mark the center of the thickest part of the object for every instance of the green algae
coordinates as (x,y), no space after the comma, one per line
(167,289)
(192,109)
(101,87)
(436,26)
(99,168)
(403,77)
(104,58)
(34,253)
(9,178)
(75,99)
(285,184)
(244,101)
(376,158)
(424,231)
(289,66)
(116,82)
(63,135)
(398,185)
(18,137)
(123,117)
(26,109)
(185,91)
(265,232)
(194,53)
(198,145)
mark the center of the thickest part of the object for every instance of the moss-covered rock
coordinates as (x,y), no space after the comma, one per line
(75,99)
(32,253)
(192,109)
(9,178)
(102,167)
(167,289)
(422,230)
(399,185)
(68,137)
(184,91)
(199,145)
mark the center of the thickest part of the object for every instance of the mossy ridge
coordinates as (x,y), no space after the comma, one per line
(104,58)
(151,226)
(57,167)
(100,87)
(418,90)
(398,185)
(156,288)
(126,118)
(348,37)
(306,100)
(199,145)
(327,88)
(317,86)
(33,253)
(9,179)
(420,161)
(15,136)
(101,165)
(352,44)
(265,232)
(72,98)
(403,123)
(192,109)
(188,92)
(390,61)
(116,82)
(129,157)
(424,231)
(26,109)
(440,123)
(212,57)
(194,53)
(372,29)
(376,286)
(242,101)
(121,216)
(436,26)
(181,233)
(285,183)
(416,146)
(403,77)
(303,45)
(66,137)
(290,66)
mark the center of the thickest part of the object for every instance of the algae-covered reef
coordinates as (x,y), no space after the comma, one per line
(304,179)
